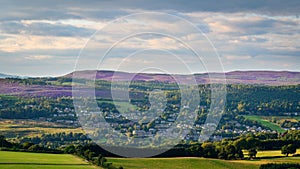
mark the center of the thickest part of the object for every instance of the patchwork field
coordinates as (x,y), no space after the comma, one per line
(22,160)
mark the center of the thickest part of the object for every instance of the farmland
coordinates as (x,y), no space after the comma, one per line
(11,160)
(24,160)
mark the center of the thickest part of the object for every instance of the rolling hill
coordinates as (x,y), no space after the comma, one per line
(235,77)
(52,88)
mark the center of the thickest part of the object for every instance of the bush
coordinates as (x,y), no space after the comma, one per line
(280,166)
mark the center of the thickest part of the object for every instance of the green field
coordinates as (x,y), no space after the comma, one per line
(265,123)
(269,153)
(197,163)
(22,160)
(203,163)
(180,163)
(123,106)
(31,128)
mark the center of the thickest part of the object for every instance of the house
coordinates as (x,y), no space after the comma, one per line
(152,130)
(139,133)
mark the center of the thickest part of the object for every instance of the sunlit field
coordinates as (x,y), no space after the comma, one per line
(22,160)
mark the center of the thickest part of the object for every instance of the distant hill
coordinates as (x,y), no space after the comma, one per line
(61,87)
(235,77)
(3,76)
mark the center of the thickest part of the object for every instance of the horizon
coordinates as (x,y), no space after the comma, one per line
(153,73)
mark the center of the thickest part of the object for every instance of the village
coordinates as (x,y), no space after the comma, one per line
(130,126)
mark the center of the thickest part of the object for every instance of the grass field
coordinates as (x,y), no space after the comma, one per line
(30,128)
(197,163)
(269,153)
(22,160)
(203,163)
(180,163)
(265,123)
(121,105)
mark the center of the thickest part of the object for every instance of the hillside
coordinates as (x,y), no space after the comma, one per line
(2,76)
(61,86)
(236,77)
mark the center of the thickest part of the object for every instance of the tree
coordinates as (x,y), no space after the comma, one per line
(100,161)
(209,150)
(252,143)
(70,149)
(230,151)
(4,143)
(86,154)
(241,107)
(222,154)
(288,149)
(35,148)
(26,145)
(240,143)
(252,153)
(91,155)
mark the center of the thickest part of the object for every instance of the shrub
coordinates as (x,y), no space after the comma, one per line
(280,166)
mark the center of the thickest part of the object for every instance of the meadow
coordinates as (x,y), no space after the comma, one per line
(266,123)
(196,163)
(204,163)
(32,128)
(24,160)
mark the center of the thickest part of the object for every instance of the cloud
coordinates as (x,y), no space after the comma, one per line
(44,28)
(15,43)
(38,57)
(247,34)
(237,57)
(54,9)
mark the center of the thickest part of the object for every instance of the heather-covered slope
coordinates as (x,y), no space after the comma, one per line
(236,77)
(48,87)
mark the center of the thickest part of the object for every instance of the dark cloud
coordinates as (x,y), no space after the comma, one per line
(53,9)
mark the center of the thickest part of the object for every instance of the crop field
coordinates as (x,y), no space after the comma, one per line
(22,160)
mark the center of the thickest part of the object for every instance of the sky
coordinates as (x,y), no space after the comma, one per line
(56,37)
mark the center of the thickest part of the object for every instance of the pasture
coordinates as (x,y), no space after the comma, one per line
(24,160)
(31,128)
(266,123)
(196,163)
